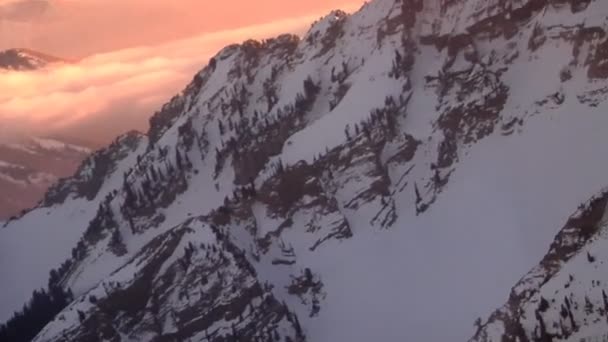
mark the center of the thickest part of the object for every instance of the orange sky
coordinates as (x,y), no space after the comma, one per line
(136,54)
(76,28)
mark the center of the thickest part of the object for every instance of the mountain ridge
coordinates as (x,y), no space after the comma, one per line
(321,162)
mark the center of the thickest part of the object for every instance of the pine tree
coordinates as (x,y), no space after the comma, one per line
(81,316)
(308,275)
(153,174)
(280,168)
(298,327)
(116,238)
(605,299)
(161,175)
(220,125)
(544,336)
(252,190)
(477,326)
(130,196)
(36,314)
(344,72)
(436,178)
(178,159)
(588,306)
(543,305)
(569,308)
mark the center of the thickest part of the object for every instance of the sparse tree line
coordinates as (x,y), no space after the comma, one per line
(41,309)
(404,60)
(90,174)
(252,134)
(54,299)
(244,330)
(270,333)
(241,328)
(380,124)
(46,303)
(383,120)
(157,185)
(307,284)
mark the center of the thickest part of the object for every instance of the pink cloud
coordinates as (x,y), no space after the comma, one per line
(106,94)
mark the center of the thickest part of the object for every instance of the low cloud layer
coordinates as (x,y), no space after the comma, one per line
(79,28)
(106,94)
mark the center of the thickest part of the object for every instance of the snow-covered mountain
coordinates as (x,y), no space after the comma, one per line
(29,166)
(389,176)
(564,297)
(25,59)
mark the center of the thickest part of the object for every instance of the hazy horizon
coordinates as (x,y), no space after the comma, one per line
(121,79)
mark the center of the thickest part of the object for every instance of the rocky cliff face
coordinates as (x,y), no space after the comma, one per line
(398,168)
(193,284)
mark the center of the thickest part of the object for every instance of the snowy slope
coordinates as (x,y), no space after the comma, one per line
(53,228)
(177,263)
(564,297)
(398,168)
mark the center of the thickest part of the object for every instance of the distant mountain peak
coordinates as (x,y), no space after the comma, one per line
(25,59)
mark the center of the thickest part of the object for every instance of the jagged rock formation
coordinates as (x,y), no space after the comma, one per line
(398,168)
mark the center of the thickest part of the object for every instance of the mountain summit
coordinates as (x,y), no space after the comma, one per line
(388,176)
